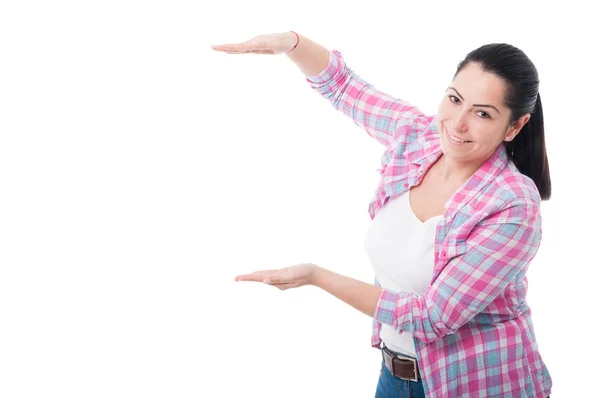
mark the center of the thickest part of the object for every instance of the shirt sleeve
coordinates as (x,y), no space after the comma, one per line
(383,117)
(495,254)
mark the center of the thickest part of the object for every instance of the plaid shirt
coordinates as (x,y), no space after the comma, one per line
(472,327)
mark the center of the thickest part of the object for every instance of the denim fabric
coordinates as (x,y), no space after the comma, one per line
(391,386)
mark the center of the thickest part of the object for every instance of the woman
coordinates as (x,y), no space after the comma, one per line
(455,223)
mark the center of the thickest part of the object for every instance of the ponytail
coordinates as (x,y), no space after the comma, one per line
(528,151)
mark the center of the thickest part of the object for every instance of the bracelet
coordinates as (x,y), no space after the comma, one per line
(298,41)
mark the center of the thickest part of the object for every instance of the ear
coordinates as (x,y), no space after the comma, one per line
(516,127)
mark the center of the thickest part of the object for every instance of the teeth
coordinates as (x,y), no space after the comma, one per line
(454,138)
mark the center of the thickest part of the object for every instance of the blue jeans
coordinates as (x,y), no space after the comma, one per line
(391,386)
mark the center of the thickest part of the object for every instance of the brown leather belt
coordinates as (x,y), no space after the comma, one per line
(400,366)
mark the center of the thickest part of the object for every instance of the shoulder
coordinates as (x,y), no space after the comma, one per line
(512,197)
(497,196)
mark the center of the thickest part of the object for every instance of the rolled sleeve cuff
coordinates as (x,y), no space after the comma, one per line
(328,73)
(391,306)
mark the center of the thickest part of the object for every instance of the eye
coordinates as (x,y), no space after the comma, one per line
(454,99)
(484,115)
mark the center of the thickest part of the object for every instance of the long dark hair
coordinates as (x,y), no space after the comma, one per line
(528,149)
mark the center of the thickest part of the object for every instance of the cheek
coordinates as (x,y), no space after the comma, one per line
(485,135)
(444,112)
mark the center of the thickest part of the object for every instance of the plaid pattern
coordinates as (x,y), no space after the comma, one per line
(473,331)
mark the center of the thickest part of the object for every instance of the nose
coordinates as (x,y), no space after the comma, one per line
(461,122)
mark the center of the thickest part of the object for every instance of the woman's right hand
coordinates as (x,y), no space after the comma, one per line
(275,43)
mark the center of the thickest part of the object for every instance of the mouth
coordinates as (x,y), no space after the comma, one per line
(455,139)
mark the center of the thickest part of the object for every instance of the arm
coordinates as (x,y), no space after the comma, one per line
(309,56)
(360,295)
(387,119)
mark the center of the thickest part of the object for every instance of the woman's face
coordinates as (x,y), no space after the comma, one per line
(472,118)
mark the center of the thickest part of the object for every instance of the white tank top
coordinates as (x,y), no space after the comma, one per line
(401,250)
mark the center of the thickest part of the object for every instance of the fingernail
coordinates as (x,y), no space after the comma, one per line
(267,281)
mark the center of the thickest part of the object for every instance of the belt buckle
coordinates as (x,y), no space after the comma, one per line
(414,362)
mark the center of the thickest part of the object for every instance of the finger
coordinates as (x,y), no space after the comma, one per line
(264,274)
(257,276)
(249,52)
(254,46)
(265,271)
(278,279)
(249,278)
(234,51)
(238,47)
(229,47)
(267,279)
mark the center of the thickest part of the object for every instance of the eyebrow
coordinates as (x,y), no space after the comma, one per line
(482,105)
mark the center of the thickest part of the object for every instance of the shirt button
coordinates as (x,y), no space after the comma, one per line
(382,194)
(443,254)
(421,171)
(405,185)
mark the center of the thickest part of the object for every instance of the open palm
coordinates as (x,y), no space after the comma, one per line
(283,278)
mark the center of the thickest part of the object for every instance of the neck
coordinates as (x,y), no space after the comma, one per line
(455,172)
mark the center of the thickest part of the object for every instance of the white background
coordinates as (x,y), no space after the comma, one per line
(140,172)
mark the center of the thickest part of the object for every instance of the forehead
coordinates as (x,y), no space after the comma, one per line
(478,86)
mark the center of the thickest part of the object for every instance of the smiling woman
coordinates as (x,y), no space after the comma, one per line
(476,122)
(455,223)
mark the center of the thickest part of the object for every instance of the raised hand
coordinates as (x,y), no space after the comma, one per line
(275,43)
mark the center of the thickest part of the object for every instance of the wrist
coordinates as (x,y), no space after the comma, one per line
(295,39)
(317,276)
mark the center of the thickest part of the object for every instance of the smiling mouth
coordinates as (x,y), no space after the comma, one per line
(453,138)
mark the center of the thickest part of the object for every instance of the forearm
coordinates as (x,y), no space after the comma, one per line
(309,56)
(360,295)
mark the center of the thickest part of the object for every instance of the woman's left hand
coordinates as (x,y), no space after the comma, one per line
(283,278)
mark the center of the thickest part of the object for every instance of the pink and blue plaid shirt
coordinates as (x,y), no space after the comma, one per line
(473,331)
